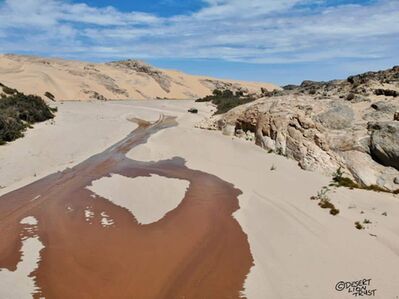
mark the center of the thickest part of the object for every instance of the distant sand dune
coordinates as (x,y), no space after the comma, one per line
(130,79)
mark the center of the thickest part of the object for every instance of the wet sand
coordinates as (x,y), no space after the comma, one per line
(197,250)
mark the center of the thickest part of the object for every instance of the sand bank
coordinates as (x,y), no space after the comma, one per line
(20,284)
(147,198)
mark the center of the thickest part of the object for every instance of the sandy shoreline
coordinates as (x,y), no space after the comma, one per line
(299,250)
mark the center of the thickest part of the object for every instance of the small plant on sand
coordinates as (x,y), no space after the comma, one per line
(327,204)
(273,168)
(340,181)
(324,201)
(334,211)
(366,221)
(323,192)
(358,225)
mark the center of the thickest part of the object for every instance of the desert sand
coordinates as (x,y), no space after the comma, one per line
(280,243)
(131,79)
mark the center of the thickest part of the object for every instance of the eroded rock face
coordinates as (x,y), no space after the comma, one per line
(321,127)
(288,132)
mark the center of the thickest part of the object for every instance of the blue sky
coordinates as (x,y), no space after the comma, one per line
(161,8)
(280,41)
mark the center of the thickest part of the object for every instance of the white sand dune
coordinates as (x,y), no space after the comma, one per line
(75,80)
(299,249)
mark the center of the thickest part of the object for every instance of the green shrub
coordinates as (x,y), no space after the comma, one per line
(18,112)
(324,201)
(340,181)
(8,90)
(226,100)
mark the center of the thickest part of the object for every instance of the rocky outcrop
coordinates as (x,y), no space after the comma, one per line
(386,92)
(321,127)
(384,143)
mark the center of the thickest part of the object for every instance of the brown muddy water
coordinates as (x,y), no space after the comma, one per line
(197,250)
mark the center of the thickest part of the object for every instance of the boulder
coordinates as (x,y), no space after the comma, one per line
(386,92)
(229,130)
(337,118)
(266,143)
(361,167)
(384,106)
(384,143)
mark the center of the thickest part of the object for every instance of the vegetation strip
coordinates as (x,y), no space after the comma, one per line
(19,111)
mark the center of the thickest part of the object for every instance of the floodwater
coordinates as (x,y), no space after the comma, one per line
(197,250)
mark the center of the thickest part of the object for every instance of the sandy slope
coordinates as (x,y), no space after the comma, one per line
(75,80)
(299,250)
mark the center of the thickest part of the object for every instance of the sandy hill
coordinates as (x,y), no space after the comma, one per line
(130,79)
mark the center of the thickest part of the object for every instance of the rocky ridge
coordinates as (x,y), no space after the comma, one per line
(352,124)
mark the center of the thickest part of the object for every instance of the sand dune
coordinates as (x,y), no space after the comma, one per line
(131,79)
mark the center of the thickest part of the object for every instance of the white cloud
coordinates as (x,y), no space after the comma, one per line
(258,31)
(220,9)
